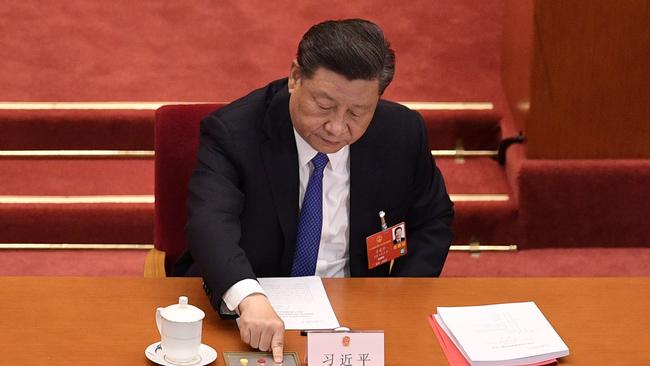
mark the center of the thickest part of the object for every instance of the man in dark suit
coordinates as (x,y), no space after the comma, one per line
(290,180)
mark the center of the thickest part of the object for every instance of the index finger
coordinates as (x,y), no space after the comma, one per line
(277,345)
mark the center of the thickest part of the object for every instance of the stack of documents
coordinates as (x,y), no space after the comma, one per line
(501,334)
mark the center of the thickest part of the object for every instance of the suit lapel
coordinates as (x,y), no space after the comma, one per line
(364,182)
(280,159)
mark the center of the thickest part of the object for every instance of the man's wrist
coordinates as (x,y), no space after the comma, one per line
(239,291)
(248,300)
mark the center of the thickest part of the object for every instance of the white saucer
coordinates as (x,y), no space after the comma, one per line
(154,353)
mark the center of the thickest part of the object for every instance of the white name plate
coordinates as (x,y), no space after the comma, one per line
(357,348)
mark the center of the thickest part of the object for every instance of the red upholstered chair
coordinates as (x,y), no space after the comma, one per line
(176,141)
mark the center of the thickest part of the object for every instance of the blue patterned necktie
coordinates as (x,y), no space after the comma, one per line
(310,223)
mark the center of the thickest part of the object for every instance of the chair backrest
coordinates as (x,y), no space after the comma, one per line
(176,142)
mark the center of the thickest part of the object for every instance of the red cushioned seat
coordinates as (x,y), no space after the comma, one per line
(176,141)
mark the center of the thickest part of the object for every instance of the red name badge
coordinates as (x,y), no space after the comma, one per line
(386,245)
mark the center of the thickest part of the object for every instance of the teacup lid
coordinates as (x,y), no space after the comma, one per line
(182,312)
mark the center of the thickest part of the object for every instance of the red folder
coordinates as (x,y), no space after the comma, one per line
(453,354)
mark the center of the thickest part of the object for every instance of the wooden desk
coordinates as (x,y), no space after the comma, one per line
(110,321)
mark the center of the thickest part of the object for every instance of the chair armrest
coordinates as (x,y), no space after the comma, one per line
(154,264)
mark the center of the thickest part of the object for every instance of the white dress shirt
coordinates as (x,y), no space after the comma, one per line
(333,259)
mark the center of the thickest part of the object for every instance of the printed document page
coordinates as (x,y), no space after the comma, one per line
(301,302)
(495,333)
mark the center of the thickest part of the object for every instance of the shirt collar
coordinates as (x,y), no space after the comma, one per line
(337,160)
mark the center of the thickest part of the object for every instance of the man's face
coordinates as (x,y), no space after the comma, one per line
(330,111)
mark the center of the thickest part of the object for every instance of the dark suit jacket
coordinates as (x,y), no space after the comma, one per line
(243,194)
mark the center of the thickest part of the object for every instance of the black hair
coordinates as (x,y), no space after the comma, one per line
(354,48)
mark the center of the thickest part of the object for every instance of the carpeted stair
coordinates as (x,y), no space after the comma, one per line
(35,205)
(569,217)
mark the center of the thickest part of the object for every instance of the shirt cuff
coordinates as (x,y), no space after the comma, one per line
(237,292)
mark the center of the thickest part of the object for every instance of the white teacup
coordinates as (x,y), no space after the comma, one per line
(180,331)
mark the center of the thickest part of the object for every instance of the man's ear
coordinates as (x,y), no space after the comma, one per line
(295,76)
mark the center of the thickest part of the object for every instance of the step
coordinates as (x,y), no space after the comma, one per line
(478,175)
(575,203)
(486,211)
(76,177)
(471,129)
(66,195)
(550,262)
(79,203)
(72,200)
(132,129)
(76,129)
(72,262)
(493,222)
(111,223)
(76,201)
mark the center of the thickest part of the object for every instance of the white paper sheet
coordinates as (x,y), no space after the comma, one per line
(503,334)
(301,302)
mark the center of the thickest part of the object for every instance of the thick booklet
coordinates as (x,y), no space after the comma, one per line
(501,334)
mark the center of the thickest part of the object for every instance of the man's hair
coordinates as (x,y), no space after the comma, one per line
(354,48)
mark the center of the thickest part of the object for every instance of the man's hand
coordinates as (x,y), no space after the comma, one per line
(260,326)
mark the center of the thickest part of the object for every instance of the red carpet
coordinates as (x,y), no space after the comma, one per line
(88,223)
(475,130)
(585,202)
(133,129)
(218,50)
(579,203)
(76,177)
(76,129)
(551,262)
(473,176)
(72,262)
(77,223)
(486,222)
(534,262)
